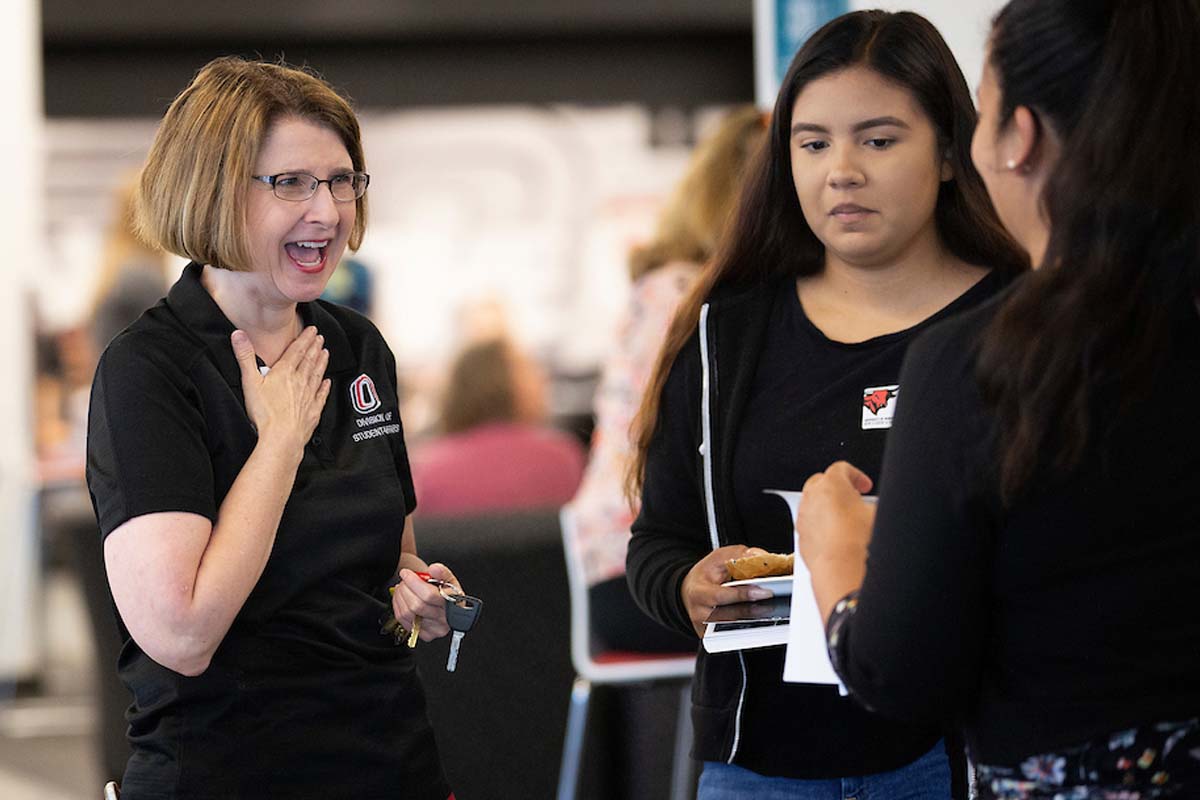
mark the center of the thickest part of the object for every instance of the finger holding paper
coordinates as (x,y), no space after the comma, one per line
(833,528)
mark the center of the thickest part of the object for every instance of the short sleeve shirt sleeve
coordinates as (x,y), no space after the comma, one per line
(146,444)
(399,450)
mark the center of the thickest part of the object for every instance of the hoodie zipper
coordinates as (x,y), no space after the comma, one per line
(706,432)
(709,496)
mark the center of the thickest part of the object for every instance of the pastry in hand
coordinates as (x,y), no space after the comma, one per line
(763,565)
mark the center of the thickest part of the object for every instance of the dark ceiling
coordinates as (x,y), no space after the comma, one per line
(130,57)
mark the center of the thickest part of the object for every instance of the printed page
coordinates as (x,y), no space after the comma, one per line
(807,659)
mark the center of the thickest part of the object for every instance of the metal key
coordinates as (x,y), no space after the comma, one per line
(462,611)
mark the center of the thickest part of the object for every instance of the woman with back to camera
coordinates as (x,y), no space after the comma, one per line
(863,223)
(1034,556)
(248,469)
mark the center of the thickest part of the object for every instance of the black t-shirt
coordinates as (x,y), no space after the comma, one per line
(1065,616)
(303,697)
(815,401)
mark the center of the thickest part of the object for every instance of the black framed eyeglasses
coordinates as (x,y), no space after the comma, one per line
(299,186)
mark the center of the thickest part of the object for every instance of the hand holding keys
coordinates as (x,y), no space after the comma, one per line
(462,611)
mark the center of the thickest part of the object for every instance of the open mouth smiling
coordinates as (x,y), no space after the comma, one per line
(309,255)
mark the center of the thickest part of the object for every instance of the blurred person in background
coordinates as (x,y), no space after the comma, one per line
(133,275)
(494,450)
(662,273)
(863,223)
(247,466)
(131,278)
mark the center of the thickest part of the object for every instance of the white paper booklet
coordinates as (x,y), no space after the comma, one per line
(807,659)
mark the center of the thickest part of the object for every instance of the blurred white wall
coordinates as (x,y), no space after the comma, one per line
(21,210)
(86,160)
(531,208)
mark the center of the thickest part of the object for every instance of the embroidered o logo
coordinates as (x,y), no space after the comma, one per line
(363,395)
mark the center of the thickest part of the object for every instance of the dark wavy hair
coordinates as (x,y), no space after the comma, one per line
(1081,337)
(770,237)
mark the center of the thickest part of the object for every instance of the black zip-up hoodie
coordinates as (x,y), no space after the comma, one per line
(688,510)
(684,511)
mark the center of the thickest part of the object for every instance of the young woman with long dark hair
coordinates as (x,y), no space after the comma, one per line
(1034,555)
(862,222)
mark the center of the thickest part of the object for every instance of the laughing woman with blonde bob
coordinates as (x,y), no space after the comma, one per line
(247,466)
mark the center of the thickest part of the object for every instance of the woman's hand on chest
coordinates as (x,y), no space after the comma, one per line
(285,404)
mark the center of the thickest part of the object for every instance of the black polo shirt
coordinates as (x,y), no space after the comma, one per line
(303,697)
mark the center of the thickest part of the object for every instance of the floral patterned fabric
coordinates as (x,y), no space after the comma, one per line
(602,515)
(1159,760)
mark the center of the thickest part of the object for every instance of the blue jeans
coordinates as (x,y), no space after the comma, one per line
(927,778)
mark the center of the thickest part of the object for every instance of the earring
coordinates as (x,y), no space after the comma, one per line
(1011,164)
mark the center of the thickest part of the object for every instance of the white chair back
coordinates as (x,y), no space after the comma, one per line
(581,640)
(668,666)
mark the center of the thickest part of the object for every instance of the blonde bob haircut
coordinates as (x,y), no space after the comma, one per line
(191,196)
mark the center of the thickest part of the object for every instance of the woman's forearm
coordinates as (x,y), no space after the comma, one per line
(238,549)
(835,577)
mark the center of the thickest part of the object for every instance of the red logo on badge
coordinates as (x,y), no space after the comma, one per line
(363,394)
(878,399)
